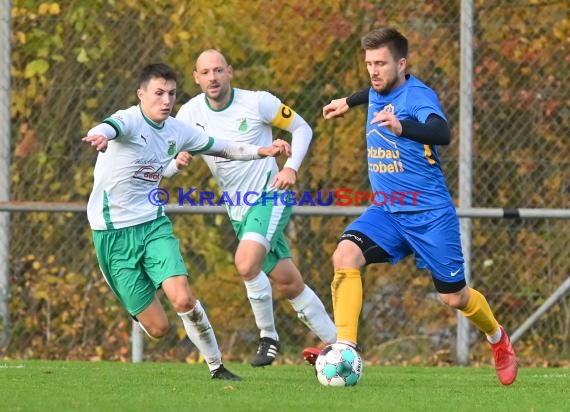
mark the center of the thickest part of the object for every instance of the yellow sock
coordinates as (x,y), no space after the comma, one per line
(479,313)
(346,291)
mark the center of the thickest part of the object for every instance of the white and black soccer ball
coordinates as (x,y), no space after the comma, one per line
(339,365)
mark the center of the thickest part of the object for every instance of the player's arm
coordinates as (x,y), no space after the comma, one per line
(181,160)
(229,150)
(197,142)
(435,131)
(301,136)
(100,135)
(111,128)
(338,107)
(358,98)
(245,151)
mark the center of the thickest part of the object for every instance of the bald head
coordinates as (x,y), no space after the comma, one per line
(209,57)
(213,74)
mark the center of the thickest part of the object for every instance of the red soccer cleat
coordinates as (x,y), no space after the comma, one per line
(310,355)
(506,365)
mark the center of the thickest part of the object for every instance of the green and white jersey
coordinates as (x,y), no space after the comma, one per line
(248,118)
(131,167)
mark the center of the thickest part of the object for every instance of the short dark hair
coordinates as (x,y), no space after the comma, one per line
(391,38)
(156,70)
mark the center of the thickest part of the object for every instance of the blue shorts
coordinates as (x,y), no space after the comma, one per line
(432,236)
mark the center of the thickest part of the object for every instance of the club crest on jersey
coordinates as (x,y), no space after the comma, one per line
(171,148)
(389,108)
(243,126)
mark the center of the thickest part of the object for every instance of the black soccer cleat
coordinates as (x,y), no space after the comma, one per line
(266,352)
(224,374)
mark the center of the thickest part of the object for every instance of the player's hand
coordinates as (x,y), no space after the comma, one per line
(183,159)
(285,179)
(98,141)
(336,108)
(389,121)
(278,147)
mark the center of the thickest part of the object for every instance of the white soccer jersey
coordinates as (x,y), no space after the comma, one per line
(249,118)
(132,166)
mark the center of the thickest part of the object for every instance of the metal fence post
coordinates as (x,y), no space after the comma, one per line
(137,342)
(5,68)
(465,160)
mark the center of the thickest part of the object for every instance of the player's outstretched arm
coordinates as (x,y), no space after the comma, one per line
(99,136)
(184,158)
(244,151)
(97,141)
(338,107)
(279,147)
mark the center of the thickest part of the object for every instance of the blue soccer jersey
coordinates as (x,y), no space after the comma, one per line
(405,175)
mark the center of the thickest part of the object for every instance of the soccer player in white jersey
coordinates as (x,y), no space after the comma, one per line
(244,116)
(134,242)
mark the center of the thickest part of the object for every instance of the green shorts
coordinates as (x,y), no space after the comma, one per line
(265,223)
(136,260)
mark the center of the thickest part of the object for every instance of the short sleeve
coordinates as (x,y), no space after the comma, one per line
(274,112)
(268,105)
(424,103)
(193,139)
(123,122)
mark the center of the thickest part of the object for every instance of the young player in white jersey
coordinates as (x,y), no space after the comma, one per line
(134,242)
(244,116)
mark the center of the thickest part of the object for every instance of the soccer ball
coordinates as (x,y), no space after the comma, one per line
(339,365)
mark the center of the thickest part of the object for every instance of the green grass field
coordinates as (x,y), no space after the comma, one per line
(108,386)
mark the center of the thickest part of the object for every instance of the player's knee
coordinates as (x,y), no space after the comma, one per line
(290,287)
(156,330)
(182,303)
(456,300)
(346,257)
(247,268)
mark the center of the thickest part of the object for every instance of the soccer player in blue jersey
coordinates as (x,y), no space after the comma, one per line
(405,124)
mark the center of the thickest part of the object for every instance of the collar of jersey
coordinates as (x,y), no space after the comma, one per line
(150,122)
(223,108)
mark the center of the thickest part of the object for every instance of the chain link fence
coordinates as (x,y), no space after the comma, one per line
(76,62)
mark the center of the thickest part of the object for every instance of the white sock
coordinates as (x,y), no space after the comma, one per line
(496,337)
(260,297)
(312,313)
(202,335)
